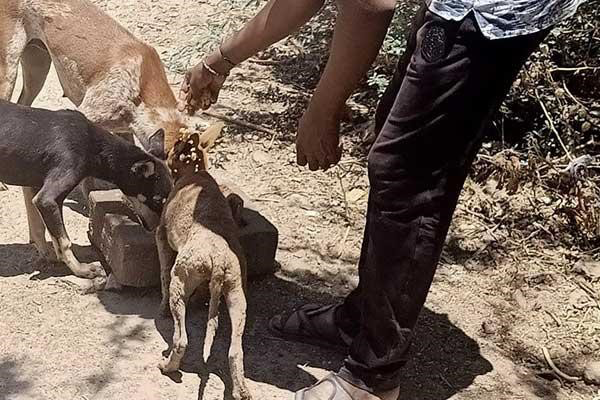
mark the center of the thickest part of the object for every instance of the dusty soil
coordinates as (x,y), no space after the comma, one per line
(59,344)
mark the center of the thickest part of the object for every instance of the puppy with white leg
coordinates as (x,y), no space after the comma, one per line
(52,151)
(198,244)
(115,79)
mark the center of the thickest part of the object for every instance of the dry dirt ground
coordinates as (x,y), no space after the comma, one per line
(59,344)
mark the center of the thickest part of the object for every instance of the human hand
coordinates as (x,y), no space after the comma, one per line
(200,88)
(317,141)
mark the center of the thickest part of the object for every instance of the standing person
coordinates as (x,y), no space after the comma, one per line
(461,59)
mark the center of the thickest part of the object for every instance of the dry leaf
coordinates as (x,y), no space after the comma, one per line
(355,195)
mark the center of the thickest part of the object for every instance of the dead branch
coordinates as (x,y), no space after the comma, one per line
(552,127)
(240,122)
(555,369)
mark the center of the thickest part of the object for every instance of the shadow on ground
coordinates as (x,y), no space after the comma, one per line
(446,360)
(11,383)
(23,259)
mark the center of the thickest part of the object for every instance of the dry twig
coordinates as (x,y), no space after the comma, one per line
(552,127)
(555,369)
(337,171)
(240,122)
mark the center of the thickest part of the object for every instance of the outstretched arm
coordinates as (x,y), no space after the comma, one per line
(275,21)
(359,32)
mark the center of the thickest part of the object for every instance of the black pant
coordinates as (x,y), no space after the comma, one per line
(431,124)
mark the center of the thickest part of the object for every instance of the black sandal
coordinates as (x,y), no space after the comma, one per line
(311,324)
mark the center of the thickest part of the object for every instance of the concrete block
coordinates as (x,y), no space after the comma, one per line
(129,252)
(258,236)
(102,202)
(89,185)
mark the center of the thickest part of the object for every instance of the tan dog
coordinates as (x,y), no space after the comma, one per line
(115,80)
(198,245)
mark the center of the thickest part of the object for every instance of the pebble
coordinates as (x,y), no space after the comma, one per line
(489,327)
(591,374)
(85,286)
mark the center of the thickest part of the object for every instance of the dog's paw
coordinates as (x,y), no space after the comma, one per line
(92,271)
(166,366)
(99,283)
(242,394)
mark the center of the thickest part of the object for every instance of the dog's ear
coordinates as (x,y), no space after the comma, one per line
(144,168)
(210,135)
(156,144)
(194,140)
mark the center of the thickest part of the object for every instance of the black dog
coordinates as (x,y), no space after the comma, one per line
(53,151)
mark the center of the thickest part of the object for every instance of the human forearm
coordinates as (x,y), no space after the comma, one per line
(275,21)
(359,33)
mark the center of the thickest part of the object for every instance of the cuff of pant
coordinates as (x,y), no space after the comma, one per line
(373,384)
(365,378)
(353,380)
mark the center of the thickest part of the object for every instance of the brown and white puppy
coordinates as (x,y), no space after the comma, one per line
(198,245)
(117,81)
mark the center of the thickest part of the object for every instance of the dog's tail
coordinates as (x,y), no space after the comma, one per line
(216,288)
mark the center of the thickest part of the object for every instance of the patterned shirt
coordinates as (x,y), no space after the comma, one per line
(507,18)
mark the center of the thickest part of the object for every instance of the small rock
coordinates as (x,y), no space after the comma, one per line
(559,354)
(555,384)
(355,195)
(578,299)
(311,213)
(589,268)
(85,286)
(591,374)
(297,200)
(489,327)
(3,187)
(261,157)
(519,297)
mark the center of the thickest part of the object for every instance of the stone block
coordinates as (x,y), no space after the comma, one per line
(102,202)
(258,236)
(129,252)
(89,185)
